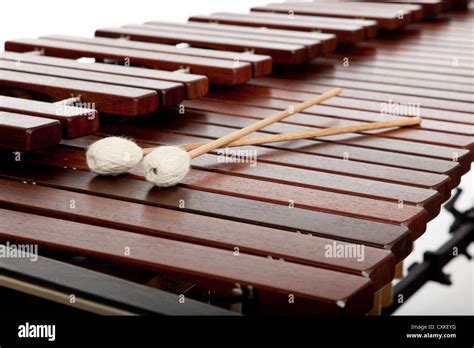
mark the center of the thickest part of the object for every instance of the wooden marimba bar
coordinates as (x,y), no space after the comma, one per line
(312,227)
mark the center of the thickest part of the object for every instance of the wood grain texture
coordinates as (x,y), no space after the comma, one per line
(332,68)
(428,199)
(213,124)
(364,70)
(337,111)
(299,160)
(381,96)
(217,70)
(314,44)
(386,18)
(388,88)
(424,61)
(397,239)
(285,53)
(346,34)
(280,91)
(430,7)
(378,265)
(261,64)
(27,133)
(170,93)
(447,152)
(365,98)
(75,121)
(262,123)
(309,134)
(328,41)
(326,157)
(273,165)
(106,98)
(415,218)
(195,85)
(369,28)
(440,65)
(321,290)
(433,55)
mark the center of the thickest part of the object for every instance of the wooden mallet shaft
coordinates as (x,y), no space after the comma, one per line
(403,122)
(229,138)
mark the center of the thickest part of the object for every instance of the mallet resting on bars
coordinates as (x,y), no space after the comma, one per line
(303,134)
(167,165)
(403,122)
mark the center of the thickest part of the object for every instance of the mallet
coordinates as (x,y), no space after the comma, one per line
(274,138)
(167,165)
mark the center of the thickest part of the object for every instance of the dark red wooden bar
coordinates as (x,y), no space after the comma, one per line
(26,133)
(75,121)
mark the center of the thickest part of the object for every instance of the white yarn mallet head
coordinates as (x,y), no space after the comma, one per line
(169,166)
(166,165)
(113,156)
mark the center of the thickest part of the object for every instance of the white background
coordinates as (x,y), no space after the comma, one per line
(29,19)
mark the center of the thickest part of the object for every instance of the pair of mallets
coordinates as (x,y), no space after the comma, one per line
(168,165)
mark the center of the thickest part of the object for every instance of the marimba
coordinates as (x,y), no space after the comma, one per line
(312,227)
